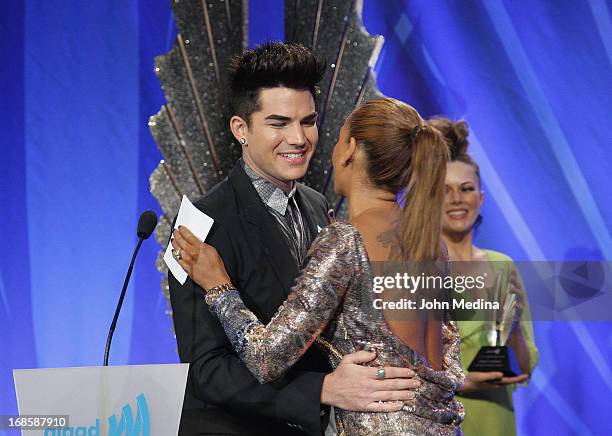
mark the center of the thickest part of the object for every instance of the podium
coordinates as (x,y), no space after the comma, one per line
(134,400)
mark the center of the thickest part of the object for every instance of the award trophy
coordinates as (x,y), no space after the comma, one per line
(497,356)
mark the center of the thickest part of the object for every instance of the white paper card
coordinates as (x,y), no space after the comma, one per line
(195,220)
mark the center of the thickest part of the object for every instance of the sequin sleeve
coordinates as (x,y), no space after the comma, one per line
(270,350)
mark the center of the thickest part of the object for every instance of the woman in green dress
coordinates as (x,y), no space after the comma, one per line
(487,396)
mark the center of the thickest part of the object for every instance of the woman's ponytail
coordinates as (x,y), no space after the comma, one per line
(423,199)
(403,154)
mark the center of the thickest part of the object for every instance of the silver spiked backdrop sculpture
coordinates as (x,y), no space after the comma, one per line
(192,130)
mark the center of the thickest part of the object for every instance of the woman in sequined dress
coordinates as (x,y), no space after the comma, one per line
(384,148)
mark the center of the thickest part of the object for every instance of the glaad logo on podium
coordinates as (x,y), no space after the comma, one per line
(126,425)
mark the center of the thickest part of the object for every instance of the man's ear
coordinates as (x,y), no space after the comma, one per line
(239,128)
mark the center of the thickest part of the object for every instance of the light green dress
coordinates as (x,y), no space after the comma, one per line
(491,412)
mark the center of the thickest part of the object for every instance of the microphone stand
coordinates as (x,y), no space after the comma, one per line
(120,303)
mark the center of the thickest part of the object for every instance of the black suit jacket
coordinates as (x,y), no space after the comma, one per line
(222,396)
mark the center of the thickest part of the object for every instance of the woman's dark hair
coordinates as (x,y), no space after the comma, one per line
(456,135)
(271,65)
(402,152)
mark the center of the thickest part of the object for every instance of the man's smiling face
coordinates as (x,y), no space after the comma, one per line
(282,135)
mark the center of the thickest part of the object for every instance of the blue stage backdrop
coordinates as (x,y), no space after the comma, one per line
(533,79)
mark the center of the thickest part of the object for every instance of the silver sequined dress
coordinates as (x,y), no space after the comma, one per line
(332,304)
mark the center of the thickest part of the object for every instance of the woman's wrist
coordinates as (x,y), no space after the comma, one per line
(212,294)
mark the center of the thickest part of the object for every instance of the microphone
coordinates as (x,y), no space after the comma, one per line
(146,225)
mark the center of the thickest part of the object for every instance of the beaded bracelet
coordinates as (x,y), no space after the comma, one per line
(213,293)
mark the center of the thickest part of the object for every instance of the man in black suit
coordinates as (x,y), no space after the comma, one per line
(264,223)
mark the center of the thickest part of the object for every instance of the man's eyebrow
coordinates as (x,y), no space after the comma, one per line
(277,117)
(311,116)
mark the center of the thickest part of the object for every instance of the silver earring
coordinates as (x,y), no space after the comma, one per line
(243,141)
